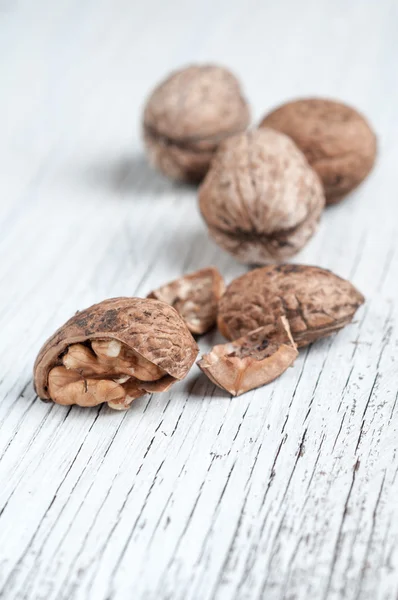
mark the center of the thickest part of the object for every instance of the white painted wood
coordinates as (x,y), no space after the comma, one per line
(289,492)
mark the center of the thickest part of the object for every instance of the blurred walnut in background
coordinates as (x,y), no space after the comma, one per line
(336,140)
(188,115)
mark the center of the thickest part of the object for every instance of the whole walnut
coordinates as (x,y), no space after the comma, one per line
(188,115)
(315,302)
(260,199)
(114,352)
(337,141)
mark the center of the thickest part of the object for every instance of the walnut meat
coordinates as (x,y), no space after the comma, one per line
(188,115)
(253,360)
(315,301)
(114,352)
(260,199)
(337,141)
(195,297)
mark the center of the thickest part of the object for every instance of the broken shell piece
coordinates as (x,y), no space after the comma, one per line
(195,297)
(114,352)
(251,361)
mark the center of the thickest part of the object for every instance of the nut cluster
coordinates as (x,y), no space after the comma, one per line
(264,190)
(123,348)
(262,194)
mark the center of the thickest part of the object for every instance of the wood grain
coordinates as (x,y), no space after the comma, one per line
(289,492)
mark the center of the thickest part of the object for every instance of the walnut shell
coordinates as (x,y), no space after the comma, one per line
(337,141)
(253,360)
(139,345)
(195,297)
(315,301)
(187,116)
(260,199)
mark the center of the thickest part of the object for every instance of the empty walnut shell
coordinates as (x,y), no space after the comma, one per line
(315,301)
(195,297)
(113,352)
(260,199)
(337,141)
(253,360)
(188,115)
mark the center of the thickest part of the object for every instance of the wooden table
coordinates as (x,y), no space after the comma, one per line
(288,492)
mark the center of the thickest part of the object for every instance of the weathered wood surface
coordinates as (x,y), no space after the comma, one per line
(287,492)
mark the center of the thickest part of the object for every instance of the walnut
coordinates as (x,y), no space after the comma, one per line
(188,115)
(195,297)
(253,360)
(315,301)
(337,141)
(114,352)
(260,199)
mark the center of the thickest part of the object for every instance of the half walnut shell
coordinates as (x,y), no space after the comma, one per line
(315,301)
(195,297)
(114,352)
(251,361)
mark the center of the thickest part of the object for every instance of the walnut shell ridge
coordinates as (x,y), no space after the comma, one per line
(337,141)
(188,115)
(150,327)
(316,302)
(260,199)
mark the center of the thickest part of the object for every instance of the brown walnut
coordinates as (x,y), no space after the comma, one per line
(260,199)
(315,301)
(251,361)
(188,115)
(337,141)
(195,297)
(114,352)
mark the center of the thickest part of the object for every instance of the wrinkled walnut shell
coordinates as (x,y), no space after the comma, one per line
(251,361)
(195,297)
(315,301)
(260,199)
(188,115)
(113,352)
(337,141)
